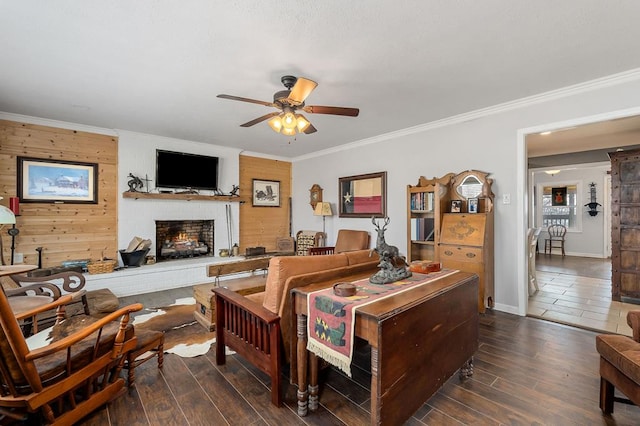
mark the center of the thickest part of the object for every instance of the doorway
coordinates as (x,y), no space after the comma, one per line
(567,152)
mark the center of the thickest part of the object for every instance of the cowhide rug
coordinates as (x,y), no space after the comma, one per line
(183,335)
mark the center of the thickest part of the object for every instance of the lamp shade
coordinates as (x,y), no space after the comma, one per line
(6,216)
(323,209)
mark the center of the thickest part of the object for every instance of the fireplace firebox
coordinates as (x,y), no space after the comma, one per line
(179,239)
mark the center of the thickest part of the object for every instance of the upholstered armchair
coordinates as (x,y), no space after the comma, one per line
(62,373)
(620,365)
(347,240)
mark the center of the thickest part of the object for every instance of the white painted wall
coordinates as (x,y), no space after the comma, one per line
(137,155)
(588,241)
(490,140)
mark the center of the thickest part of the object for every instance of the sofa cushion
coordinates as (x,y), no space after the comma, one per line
(256,297)
(622,352)
(283,267)
(361,256)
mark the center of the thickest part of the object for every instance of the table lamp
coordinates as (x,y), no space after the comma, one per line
(6,218)
(323,209)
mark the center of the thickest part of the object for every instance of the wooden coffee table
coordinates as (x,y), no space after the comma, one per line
(6,270)
(419,338)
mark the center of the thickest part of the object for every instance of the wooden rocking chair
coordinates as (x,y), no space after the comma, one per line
(61,380)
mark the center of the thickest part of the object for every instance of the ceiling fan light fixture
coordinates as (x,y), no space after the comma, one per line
(289,120)
(276,124)
(288,132)
(301,122)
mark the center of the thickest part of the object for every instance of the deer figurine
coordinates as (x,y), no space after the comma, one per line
(393,266)
(382,248)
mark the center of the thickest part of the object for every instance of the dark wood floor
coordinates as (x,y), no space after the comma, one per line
(527,371)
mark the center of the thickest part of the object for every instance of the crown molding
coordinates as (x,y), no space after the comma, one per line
(599,83)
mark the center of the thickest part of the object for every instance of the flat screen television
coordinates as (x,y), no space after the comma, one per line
(187,171)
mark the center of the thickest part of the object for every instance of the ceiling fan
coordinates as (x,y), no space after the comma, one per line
(287,120)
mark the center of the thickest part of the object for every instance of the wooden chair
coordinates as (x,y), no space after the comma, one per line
(61,374)
(555,238)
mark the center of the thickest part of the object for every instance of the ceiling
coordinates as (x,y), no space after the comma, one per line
(589,143)
(156,66)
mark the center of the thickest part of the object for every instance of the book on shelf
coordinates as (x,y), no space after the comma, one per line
(422,229)
(422,201)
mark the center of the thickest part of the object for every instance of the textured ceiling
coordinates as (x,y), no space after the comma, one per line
(156,66)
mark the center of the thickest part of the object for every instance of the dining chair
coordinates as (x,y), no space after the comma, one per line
(555,239)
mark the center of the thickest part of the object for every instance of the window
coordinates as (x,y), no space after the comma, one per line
(567,214)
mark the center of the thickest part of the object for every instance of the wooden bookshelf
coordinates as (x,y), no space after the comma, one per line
(183,197)
(426,202)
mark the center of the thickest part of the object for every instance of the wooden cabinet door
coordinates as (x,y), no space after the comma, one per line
(625,225)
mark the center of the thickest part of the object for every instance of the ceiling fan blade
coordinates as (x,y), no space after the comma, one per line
(317,109)
(310,129)
(301,90)
(253,101)
(260,119)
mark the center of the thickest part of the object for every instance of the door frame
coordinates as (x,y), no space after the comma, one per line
(522,193)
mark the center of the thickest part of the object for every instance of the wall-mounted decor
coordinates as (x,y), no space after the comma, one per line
(363,195)
(315,195)
(57,181)
(593,204)
(559,196)
(266,193)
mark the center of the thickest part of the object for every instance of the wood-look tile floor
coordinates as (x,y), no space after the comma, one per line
(526,371)
(577,291)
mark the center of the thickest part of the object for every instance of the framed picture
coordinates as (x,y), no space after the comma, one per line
(559,196)
(363,195)
(472,203)
(456,206)
(266,193)
(57,181)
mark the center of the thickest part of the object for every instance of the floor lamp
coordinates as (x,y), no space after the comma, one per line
(323,209)
(6,218)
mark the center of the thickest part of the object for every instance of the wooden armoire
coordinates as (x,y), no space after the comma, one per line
(625,226)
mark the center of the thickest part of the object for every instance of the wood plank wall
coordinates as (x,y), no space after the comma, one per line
(64,231)
(260,226)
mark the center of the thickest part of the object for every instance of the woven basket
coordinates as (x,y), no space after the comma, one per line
(101,266)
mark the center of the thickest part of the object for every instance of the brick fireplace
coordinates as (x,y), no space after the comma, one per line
(179,239)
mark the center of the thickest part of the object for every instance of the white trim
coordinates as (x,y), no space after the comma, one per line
(599,83)
(56,123)
(507,308)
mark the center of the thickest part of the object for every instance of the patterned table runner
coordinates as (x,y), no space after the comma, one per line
(331,318)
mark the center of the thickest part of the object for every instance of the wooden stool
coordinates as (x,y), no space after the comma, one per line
(148,341)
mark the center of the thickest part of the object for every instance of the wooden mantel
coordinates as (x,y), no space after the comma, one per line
(184,197)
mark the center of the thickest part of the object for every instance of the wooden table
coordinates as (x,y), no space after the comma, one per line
(418,340)
(6,270)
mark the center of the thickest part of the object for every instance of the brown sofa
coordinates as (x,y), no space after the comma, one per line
(258,325)
(620,365)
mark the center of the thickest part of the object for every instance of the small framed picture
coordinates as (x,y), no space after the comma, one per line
(456,206)
(473,205)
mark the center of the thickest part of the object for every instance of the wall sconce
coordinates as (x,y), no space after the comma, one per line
(593,205)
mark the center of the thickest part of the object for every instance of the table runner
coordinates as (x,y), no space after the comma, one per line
(331,318)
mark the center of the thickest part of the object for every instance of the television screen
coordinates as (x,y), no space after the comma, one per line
(188,171)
